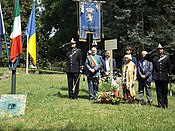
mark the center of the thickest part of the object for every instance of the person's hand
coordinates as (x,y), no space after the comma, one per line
(92,70)
(134,82)
(143,76)
(107,73)
(81,69)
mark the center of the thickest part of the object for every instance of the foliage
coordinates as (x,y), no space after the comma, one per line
(25,10)
(141,24)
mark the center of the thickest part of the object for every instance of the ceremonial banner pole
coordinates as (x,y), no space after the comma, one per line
(27,59)
(89,40)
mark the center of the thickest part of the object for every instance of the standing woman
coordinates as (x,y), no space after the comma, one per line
(129,72)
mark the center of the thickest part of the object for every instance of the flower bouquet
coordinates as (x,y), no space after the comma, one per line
(109,92)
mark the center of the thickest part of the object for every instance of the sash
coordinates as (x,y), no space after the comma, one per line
(73,52)
(160,59)
(94,60)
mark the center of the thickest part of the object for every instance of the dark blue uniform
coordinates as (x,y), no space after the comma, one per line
(74,63)
(161,73)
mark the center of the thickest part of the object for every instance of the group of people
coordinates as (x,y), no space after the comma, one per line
(153,66)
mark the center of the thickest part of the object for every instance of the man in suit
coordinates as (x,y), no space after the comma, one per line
(145,78)
(107,64)
(93,65)
(94,44)
(74,66)
(129,52)
(161,74)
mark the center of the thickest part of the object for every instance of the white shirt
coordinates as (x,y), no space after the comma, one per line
(107,62)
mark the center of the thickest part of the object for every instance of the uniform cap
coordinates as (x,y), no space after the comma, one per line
(94,43)
(160,46)
(73,41)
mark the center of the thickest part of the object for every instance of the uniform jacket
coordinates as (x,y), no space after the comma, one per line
(146,70)
(98,67)
(74,60)
(161,66)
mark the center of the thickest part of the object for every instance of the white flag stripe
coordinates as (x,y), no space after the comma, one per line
(17,27)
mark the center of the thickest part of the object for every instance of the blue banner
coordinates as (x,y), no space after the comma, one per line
(90,20)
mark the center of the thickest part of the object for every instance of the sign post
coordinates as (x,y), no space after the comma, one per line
(111,45)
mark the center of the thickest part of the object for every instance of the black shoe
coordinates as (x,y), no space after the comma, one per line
(142,102)
(92,98)
(150,103)
(76,98)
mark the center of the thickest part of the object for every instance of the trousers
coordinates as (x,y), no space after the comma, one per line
(72,79)
(147,86)
(92,87)
(162,92)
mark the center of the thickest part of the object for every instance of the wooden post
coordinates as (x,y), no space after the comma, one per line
(111,64)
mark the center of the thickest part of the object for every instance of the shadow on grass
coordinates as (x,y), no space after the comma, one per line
(65,88)
(136,101)
(68,127)
(60,95)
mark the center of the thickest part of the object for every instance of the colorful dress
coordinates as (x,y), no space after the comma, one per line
(129,72)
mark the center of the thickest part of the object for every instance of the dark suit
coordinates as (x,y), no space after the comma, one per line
(145,68)
(161,73)
(93,77)
(74,63)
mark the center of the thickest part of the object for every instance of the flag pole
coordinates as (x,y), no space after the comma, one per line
(27,59)
(13,86)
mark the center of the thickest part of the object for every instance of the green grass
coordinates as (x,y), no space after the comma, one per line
(48,108)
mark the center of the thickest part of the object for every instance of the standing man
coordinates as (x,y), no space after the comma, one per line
(161,74)
(145,78)
(94,44)
(129,52)
(107,64)
(93,65)
(74,66)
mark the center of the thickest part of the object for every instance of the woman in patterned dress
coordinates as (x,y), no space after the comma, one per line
(129,72)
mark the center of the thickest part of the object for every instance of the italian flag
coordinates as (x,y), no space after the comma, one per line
(16,46)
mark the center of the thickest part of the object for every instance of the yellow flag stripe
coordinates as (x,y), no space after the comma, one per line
(32,48)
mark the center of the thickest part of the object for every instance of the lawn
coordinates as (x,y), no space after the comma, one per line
(48,108)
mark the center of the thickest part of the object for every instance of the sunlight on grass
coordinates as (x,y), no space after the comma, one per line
(48,108)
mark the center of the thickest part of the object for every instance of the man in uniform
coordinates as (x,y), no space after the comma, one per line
(73,69)
(161,74)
